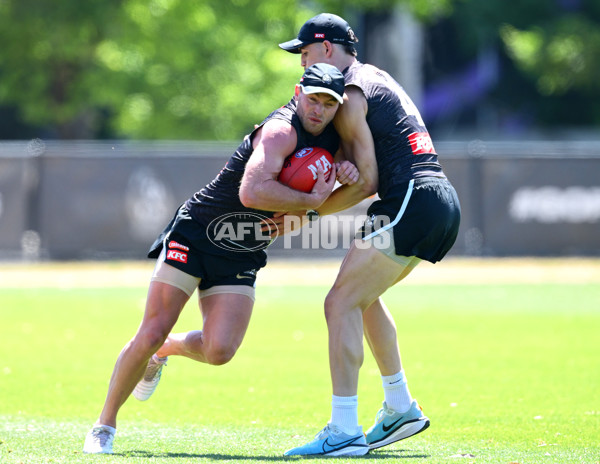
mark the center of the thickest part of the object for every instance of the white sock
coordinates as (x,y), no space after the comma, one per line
(108,427)
(395,388)
(344,413)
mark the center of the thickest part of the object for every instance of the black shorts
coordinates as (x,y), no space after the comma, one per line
(424,214)
(189,249)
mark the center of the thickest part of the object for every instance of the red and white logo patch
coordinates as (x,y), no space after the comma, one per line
(420,143)
(302,153)
(174,244)
(319,35)
(175,255)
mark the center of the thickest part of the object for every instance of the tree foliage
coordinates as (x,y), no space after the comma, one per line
(563,56)
(551,56)
(209,69)
(158,68)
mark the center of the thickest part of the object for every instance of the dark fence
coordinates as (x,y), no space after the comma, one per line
(103,200)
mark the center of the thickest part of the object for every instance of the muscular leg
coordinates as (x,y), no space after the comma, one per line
(163,306)
(380,333)
(364,275)
(225,320)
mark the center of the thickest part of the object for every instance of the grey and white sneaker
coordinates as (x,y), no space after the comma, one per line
(145,387)
(391,426)
(99,440)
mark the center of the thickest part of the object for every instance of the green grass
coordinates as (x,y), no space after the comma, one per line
(506,373)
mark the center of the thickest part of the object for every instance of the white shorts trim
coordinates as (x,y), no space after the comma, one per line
(390,251)
(398,216)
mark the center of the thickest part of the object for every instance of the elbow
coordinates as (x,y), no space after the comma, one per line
(247,198)
(250,202)
(368,187)
(253,199)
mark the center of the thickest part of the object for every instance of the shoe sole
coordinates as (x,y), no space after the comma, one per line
(349,451)
(407,430)
(98,452)
(144,390)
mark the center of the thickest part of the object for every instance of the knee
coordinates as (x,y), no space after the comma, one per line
(337,305)
(340,300)
(218,354)
(149,340)
(332,304)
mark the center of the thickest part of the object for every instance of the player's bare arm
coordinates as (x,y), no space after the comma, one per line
(260,188)
(359,149)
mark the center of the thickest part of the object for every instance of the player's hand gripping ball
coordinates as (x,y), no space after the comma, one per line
(300,169)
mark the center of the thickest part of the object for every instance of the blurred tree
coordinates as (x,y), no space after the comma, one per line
(562,61)
(47,51)
(427,10)
(153,68)
(549,53)
(150,69)
(209,69)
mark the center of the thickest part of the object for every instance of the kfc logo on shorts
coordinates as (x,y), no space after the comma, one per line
(175,255)
(174,244)
(420,143)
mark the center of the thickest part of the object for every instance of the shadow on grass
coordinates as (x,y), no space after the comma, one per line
(397,454)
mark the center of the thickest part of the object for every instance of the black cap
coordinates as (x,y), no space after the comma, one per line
(323,78)
(325,26)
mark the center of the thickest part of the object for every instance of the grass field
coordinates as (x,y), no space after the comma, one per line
(503,356)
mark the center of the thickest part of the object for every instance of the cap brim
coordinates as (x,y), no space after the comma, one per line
(314,89)
(292,46)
